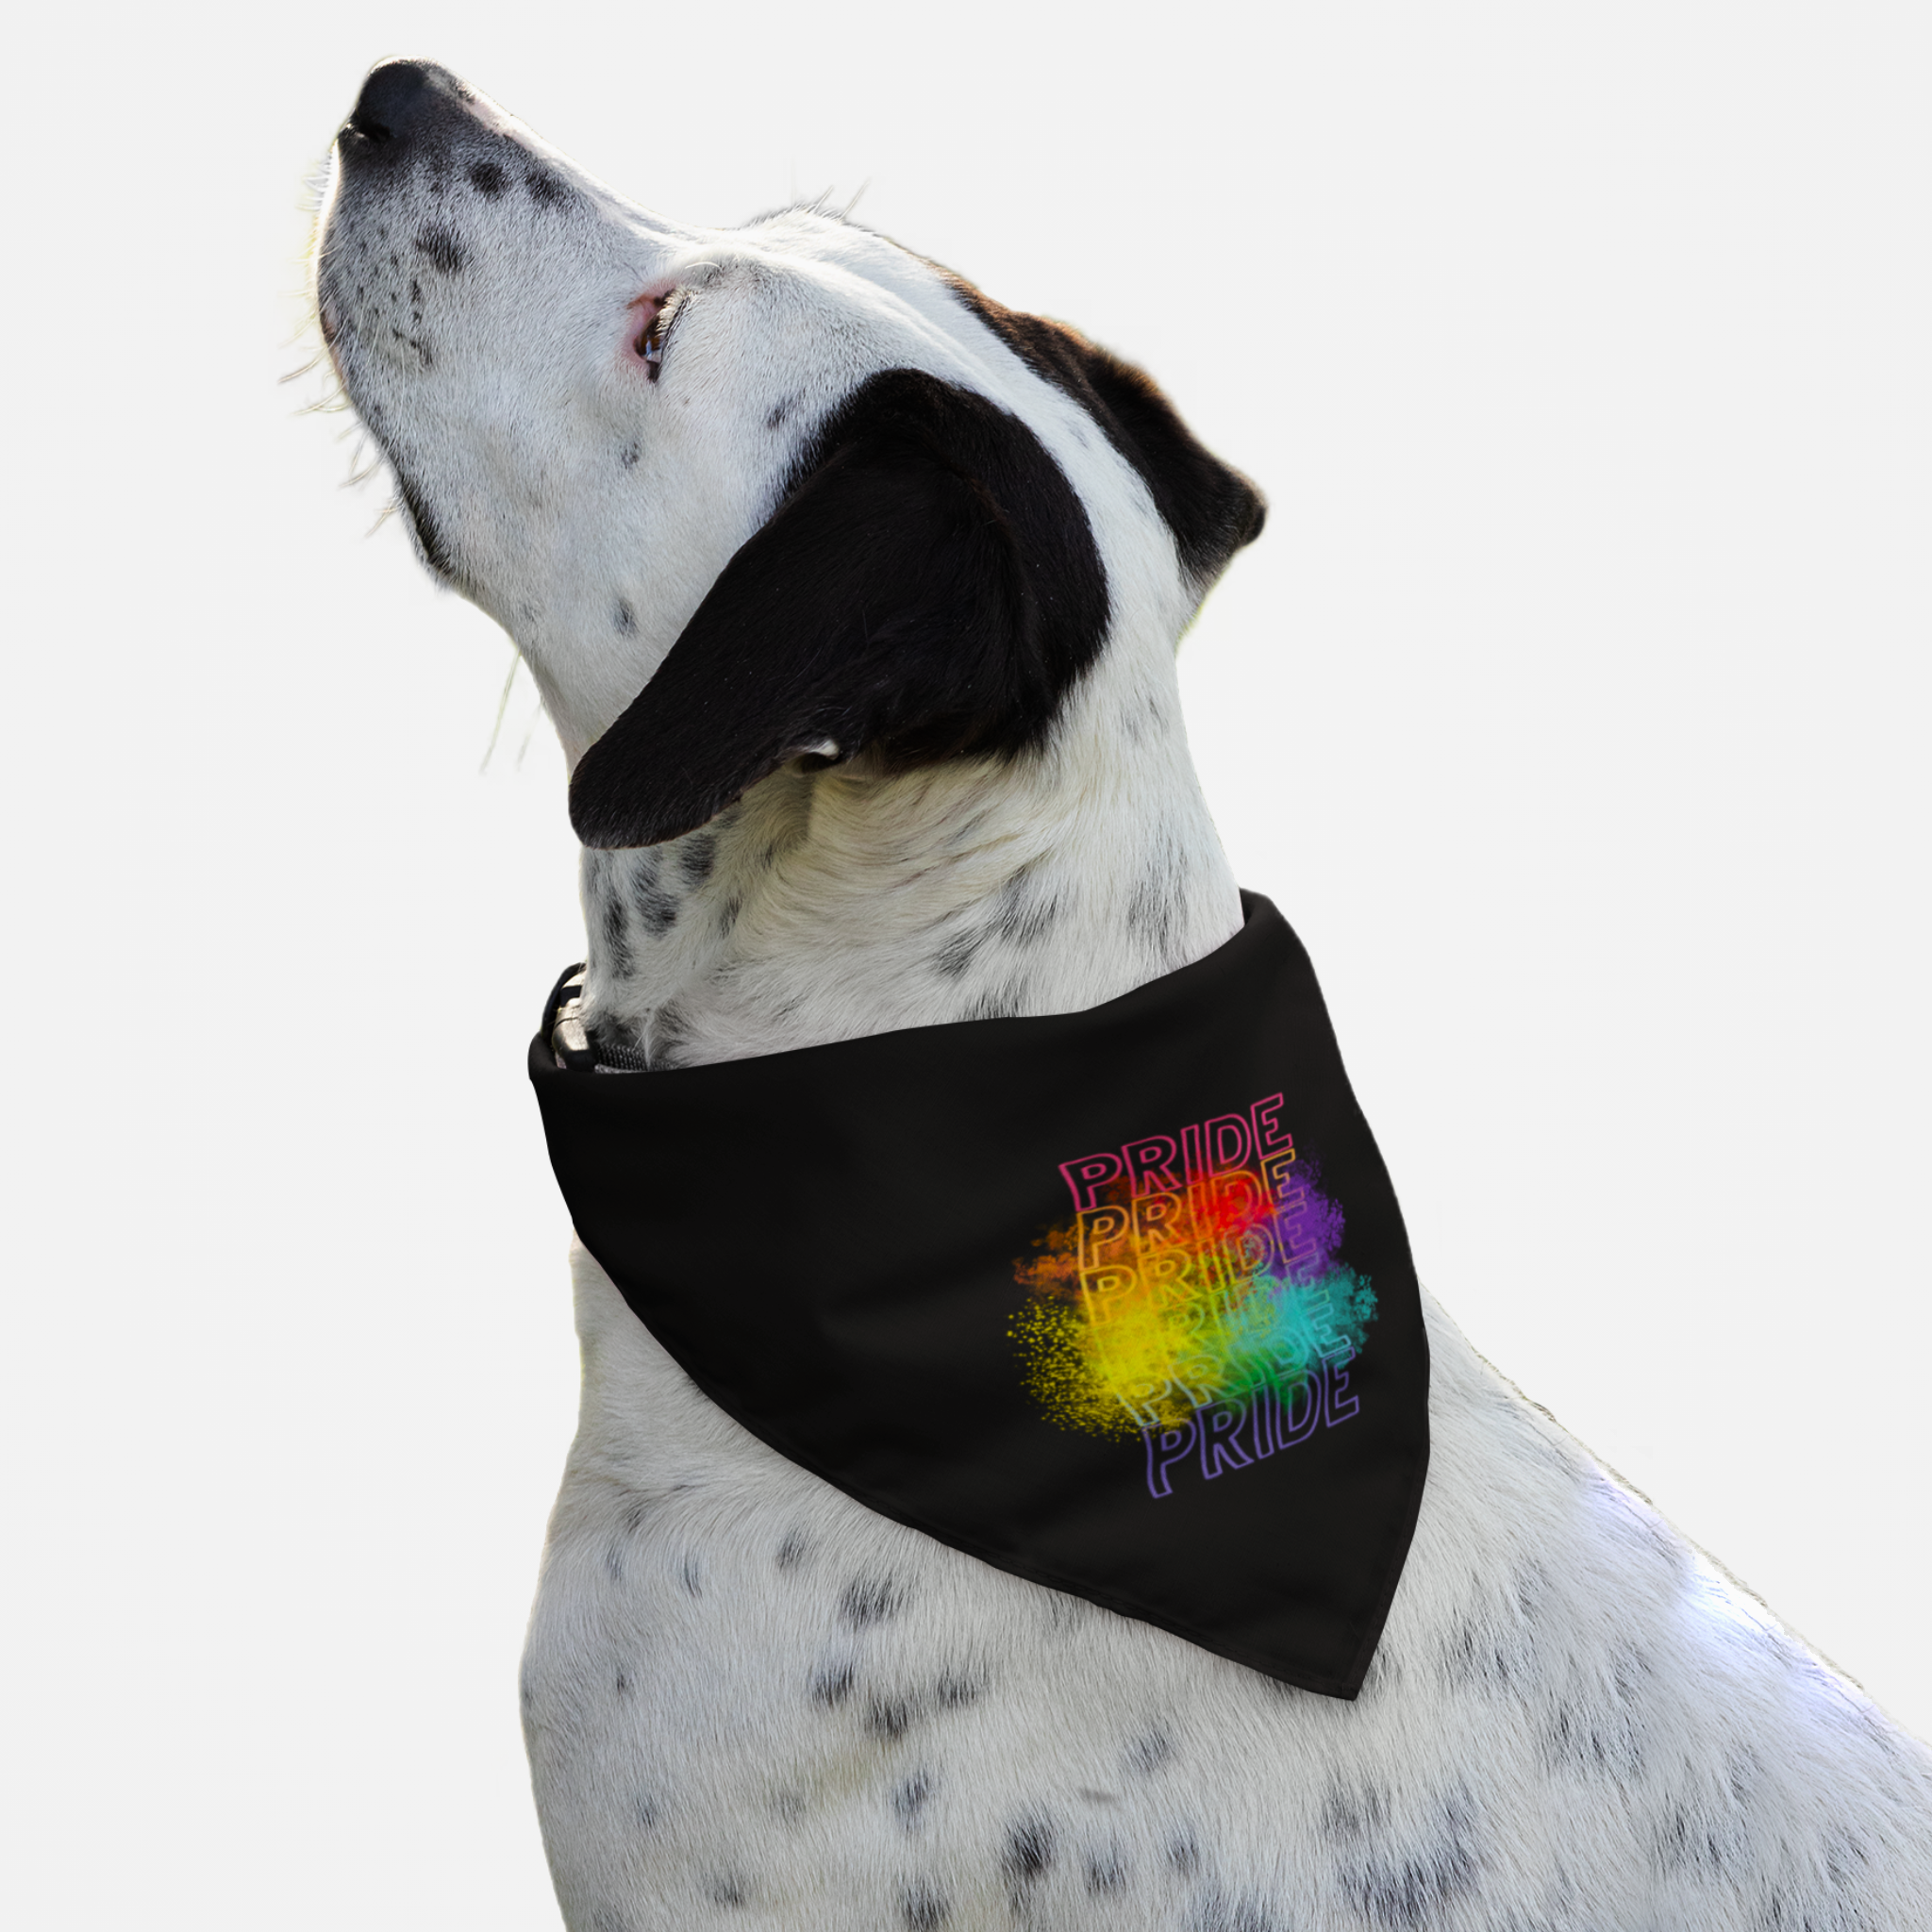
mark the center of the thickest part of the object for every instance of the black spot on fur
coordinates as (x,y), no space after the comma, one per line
(1028,1854)
(1214,1911)
(791,1550)
(956,1693)
(1107,1871)
(888,1717)
(956,630)
(1184,1852)
(443,249)
(1147,1754)
(728,913)
(1023,913)
(689,1578)
(547,189)
(696,857)
(657,909)
(870,1600)
(781,413)
(998,1003)
(1708,1833)
(832,1685)
(416,294)
(613,1562)
(1494,1647)
(730,1890)
(646,1811)
(1349,1815)
(616,934)
(925,1908)
(625,619)
(956,955)
(669,1032)
(420,347)
(1600,1734)
(622,1681)
(910,1799)
(1211,510)
(488,179)
(628,456)
(1419,1890)
(1156,906)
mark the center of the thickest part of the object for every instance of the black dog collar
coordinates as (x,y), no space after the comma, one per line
(1119,1301)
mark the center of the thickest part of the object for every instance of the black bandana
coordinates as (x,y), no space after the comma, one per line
(1119,1301)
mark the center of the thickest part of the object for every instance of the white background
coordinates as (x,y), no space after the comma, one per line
(1572,707)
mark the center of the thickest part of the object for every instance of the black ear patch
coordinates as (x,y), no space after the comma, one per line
(1212,509)
(928,587)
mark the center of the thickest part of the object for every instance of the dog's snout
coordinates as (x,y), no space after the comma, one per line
(400,97)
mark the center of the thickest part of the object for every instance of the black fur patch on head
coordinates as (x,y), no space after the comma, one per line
(1213,509)
(928,587)
(488,178)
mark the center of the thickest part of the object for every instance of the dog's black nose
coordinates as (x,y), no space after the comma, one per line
(400,96)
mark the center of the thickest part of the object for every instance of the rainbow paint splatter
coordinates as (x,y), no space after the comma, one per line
(1195,1298)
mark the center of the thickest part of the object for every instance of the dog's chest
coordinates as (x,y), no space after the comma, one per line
(750,1700)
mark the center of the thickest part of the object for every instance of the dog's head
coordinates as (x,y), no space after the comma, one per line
(787,492)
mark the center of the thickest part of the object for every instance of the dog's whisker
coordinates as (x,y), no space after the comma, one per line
(502,705)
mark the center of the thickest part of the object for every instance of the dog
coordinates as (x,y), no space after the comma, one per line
(919,758)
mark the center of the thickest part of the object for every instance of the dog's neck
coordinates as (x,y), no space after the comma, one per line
(828,905)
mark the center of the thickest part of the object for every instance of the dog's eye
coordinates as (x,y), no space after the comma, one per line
(650,346)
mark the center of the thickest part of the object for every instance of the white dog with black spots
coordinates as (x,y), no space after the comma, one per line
(900,574)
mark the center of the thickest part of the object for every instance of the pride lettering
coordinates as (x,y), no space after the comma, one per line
(1195,1297)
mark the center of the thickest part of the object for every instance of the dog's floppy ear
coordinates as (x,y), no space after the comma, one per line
(1210,507)
(927,587)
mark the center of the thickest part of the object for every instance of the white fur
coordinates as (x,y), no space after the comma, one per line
(749,1701)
